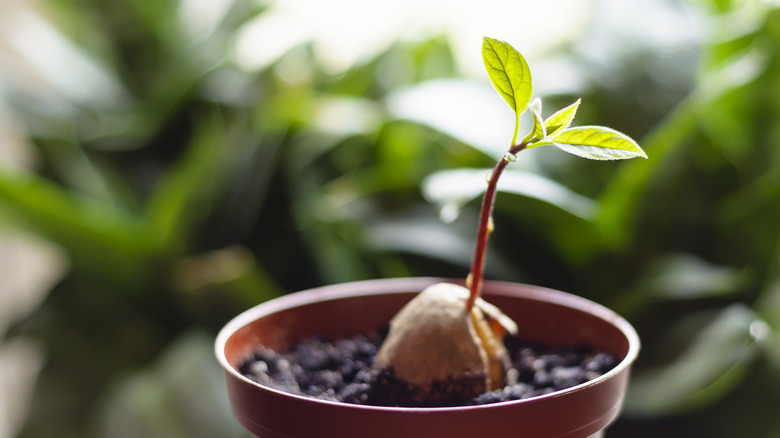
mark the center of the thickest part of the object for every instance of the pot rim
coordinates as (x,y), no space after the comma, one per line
(411,284)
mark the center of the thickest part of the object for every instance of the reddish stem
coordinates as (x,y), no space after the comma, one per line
(483,228)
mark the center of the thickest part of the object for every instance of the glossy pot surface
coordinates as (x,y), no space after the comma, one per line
(543,315)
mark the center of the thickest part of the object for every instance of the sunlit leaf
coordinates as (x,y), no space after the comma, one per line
(558,122)
(597,143)
(510,75)
(538,131)
(508,72)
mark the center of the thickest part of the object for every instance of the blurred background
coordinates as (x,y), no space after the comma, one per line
(166,165)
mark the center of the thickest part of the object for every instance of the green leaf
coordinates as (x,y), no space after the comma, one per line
(538,132)
(680,276)
(185,193)
(560,121)
(509,73)
(596,143)
(107,241)
(717,360)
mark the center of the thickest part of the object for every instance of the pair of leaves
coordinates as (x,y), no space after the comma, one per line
(510,75)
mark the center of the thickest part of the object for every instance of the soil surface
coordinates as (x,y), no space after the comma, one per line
(341,370)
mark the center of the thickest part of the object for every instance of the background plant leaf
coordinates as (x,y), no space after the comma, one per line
(458,186)
(716,361)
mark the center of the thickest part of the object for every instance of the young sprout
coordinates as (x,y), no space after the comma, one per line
(442,343)
(511,77)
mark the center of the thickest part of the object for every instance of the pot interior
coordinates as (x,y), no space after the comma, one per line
(543,316)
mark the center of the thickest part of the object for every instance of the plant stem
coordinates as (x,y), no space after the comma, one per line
(483,228)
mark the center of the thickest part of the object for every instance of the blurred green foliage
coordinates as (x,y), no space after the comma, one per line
(189,189)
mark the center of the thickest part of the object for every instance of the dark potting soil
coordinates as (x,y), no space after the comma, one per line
(341,370)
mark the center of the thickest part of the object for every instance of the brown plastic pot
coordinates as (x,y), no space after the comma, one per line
(547,316)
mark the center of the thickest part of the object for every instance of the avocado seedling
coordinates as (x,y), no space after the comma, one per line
(446,343)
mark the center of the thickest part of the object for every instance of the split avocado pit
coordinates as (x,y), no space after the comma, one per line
(441,351)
